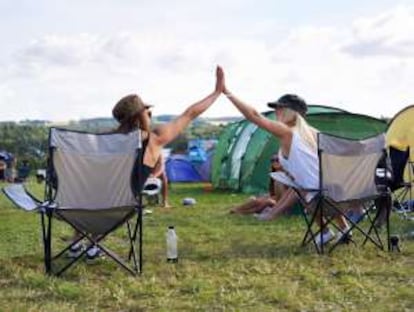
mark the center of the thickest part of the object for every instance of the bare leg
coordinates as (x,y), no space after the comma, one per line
(253,205)
(245,207)
(288,199)
(341,222)
(280,189)
(164,193)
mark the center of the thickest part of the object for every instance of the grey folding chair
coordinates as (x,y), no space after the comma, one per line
(348,171)
(91,184)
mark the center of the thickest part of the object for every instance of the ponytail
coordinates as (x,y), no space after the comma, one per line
(301,127)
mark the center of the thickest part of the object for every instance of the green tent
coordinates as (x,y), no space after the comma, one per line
(242,157)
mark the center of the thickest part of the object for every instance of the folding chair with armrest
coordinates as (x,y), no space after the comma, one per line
(92,184)
(347,171)
(402,190)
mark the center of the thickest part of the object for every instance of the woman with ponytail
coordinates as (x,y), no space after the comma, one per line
(298,149)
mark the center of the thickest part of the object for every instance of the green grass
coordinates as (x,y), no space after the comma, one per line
(227,263)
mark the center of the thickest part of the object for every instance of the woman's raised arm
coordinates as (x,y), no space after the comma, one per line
(277,128)
(168,132)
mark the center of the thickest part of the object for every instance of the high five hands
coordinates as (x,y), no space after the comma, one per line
(220,81)
(220,86)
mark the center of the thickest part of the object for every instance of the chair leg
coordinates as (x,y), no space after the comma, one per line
(321,228)
(118,260)
(137,231)
(132,253)
(93,241)
(140,238)
(310,235)
(305,239)
(388,207)
(46,222)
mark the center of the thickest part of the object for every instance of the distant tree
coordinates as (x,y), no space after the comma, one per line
(25,142)
(28,140)
(386,119)
(198,131)
(179,145)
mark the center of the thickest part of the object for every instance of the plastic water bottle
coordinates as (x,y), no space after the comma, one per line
(172,254)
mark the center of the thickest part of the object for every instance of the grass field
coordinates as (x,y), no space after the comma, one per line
(227,263)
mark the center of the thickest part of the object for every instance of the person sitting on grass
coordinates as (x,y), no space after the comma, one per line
(297,153)
(132,113)
(263,204)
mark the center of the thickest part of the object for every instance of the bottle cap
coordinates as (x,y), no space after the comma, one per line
(171,227)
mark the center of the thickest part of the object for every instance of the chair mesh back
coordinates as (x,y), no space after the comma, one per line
(94,170)
(348,167)
(398,162)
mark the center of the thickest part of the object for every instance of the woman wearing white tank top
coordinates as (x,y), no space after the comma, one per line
(298,144)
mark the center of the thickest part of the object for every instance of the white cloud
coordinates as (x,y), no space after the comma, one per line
(388,34)
(367,68)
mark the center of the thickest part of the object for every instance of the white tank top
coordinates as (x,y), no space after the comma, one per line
(302,163)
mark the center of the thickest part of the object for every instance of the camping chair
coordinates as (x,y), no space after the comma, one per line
(402,190)
(347,178)
(91,184)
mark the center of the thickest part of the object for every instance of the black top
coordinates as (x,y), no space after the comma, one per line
(140,176)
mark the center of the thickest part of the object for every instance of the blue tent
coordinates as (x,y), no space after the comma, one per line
(197,154)
(196,151)
(180,169)
(204,168)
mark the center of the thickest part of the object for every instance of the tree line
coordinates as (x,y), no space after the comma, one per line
(29,140)
(25,142)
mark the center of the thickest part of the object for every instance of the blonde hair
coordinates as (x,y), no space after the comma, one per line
(306,132)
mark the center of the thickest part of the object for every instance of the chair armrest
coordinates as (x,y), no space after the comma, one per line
(21,198)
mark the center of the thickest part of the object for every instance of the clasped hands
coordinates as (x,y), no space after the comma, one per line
(220,82)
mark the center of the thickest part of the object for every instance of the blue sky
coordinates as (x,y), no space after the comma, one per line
(64,60)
